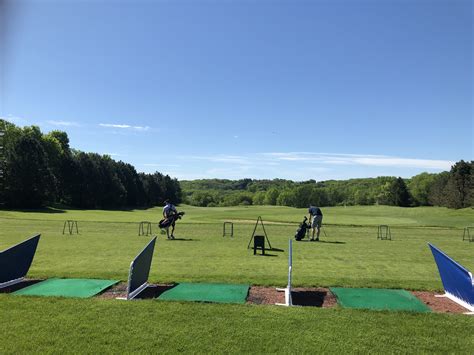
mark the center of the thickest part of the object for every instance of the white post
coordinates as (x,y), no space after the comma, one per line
(11,282)
(287,290)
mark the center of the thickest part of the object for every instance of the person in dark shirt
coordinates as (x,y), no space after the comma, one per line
(316,220)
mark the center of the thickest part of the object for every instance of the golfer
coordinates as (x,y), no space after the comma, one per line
(316,220)
(168,212)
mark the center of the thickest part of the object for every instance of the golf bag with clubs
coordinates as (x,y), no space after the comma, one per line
(165,223)
(301,231)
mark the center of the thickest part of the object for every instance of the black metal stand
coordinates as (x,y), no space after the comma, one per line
(141,229)
(225,232)
(259,219)
(383,232)
(468,234)
(70,226)
(258,243)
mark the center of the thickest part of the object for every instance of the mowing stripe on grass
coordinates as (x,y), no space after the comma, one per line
(81,288)
(207,292)
(378,299)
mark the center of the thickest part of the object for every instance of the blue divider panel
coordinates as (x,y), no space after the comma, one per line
(140,267)
(16,261)
(456,279)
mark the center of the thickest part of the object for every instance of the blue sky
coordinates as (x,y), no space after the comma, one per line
(261,89)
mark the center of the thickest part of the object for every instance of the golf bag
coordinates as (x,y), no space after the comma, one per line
(301,231)
(165,223)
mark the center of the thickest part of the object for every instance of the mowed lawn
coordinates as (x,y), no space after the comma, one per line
(349,256)
(94,326)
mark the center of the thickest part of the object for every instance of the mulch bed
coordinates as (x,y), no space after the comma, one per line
(260,295)
(439,304)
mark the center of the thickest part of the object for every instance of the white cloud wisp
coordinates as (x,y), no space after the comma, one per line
(356,159)
(63,123)
(124,126)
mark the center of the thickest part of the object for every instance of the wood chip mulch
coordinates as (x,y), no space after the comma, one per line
(439,304)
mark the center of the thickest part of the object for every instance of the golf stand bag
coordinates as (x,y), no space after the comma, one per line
(165,223)
(301,231)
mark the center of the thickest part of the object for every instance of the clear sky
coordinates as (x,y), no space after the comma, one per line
(252,88)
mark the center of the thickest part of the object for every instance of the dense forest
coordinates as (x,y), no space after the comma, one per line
(39,169)
(453,189)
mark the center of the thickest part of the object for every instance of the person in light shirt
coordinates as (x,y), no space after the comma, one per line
(168,212)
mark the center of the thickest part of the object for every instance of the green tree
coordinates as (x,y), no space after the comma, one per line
(436,195)
(395,193)
(130,181)
(271,197)
(237,198)
(319,197)
(2,162)
(400,194)
(202,199)
(28,180)
(460,185)
(420,186)
(259,198)
(384,195)
(286,198)
(361,197)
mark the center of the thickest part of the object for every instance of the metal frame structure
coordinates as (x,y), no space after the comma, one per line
(11,282)
(467,235)
(259,219)
(17,260)
(132,294)
(70,226)
(458,282)
(287,289)
(383,228)
(224,232)
(141,230)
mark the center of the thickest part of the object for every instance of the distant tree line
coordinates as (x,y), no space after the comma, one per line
(453,189)
(39,169)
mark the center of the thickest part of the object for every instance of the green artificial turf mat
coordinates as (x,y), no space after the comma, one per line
(207,292)
(378,299)
(82,288)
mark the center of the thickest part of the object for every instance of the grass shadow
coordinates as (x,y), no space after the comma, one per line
(183,240)
(266,254)
(320,241)
(329,242)
(154,291)
(36,210)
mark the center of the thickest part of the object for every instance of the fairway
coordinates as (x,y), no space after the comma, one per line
(350,256)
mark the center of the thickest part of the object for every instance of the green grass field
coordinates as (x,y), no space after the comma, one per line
(350,256)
